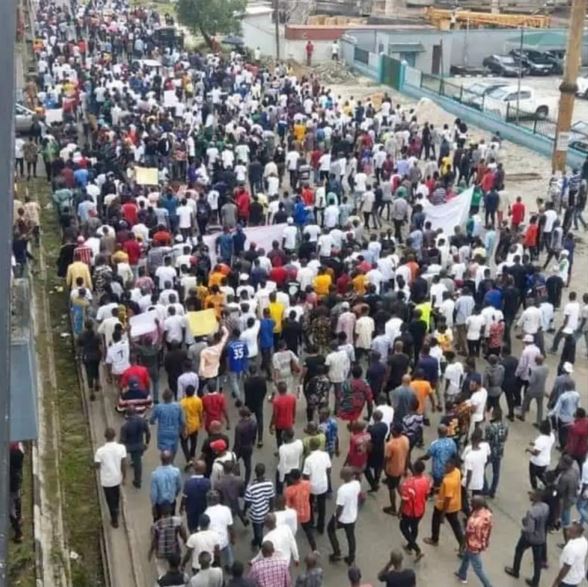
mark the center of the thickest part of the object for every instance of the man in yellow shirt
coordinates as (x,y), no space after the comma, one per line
(277,311)
(78,269)
(191,404)
(322,282)
(359,283)
(448,505)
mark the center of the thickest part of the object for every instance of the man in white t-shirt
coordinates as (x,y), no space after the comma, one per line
(290,236)
(117,355)
(205,540)
(474,459)
(572,561)
(571,320)
(316,469)
(477,400)
(540,452)
(345,515)
(110,460)
(221,522)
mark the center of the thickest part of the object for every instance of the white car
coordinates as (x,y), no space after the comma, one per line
(582,83)
(505,100)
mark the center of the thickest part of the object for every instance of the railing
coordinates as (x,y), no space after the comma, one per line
(361,55)
(539,120)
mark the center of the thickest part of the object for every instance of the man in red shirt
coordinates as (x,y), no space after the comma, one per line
(284,412)
(413,493)
(215,406)
(517,212)
(130,212)
(162,237)
(140,373)
(577,442)
(309,51)
(243,202)
(133,249)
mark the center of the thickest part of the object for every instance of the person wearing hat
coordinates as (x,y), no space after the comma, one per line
(222,455)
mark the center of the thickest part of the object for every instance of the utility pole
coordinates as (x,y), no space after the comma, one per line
(277,29)
(7,98)
(568,86)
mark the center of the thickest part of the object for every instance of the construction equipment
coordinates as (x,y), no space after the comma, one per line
(456,19)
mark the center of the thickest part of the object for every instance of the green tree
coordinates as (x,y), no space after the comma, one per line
(209,17)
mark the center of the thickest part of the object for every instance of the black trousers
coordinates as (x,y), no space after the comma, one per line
(258,413)
(318,505)
(332,528)
(409,527)
(453,519)
(538,558)
(536,472)
(112,495)
(189,445)
(307,528)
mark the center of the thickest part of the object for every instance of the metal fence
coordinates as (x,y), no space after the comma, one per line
(361,55)
(539,121)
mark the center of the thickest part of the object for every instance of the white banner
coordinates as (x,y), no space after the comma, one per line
(262,236)
(451,214)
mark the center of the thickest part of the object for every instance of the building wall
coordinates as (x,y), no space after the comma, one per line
(258,31)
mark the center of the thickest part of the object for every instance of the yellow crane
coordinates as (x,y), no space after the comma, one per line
(446,19)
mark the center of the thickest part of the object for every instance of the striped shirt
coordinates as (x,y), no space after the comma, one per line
(258,496)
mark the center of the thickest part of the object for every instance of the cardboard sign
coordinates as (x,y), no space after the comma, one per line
(202,323)
(143,323)
(147,176)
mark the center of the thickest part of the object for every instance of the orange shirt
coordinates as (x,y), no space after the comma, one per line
(450,489)
(215,301)
(298,498)
(423,390)
(395,454)
(215,278)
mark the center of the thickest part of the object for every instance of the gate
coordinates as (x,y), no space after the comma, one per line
(391,72)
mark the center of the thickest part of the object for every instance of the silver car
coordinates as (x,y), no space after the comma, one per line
(23,119)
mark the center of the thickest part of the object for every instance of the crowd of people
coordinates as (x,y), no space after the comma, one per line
(350,303)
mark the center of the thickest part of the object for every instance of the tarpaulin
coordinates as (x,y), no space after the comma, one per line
(451,214)
(262,236)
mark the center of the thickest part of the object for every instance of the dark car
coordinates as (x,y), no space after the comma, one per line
(537,62)
(504,65)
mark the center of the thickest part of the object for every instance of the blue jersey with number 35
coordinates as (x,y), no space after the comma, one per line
(237,353)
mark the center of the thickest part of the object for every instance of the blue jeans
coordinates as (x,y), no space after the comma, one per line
(495,463)
(235,383)
(476,560)
(582,505)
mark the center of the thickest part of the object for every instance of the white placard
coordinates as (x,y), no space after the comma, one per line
(143,323)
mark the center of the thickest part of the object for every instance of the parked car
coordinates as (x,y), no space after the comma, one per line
(473,94)
(504,65)
(504,101)
(23,118)
(582,83)
(579,145)
(537,62)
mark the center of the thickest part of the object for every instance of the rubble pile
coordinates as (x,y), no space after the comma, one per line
(332,72)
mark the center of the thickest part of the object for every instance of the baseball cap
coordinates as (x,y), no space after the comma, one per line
(218,445)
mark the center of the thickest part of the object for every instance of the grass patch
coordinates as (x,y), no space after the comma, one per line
(80,503)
